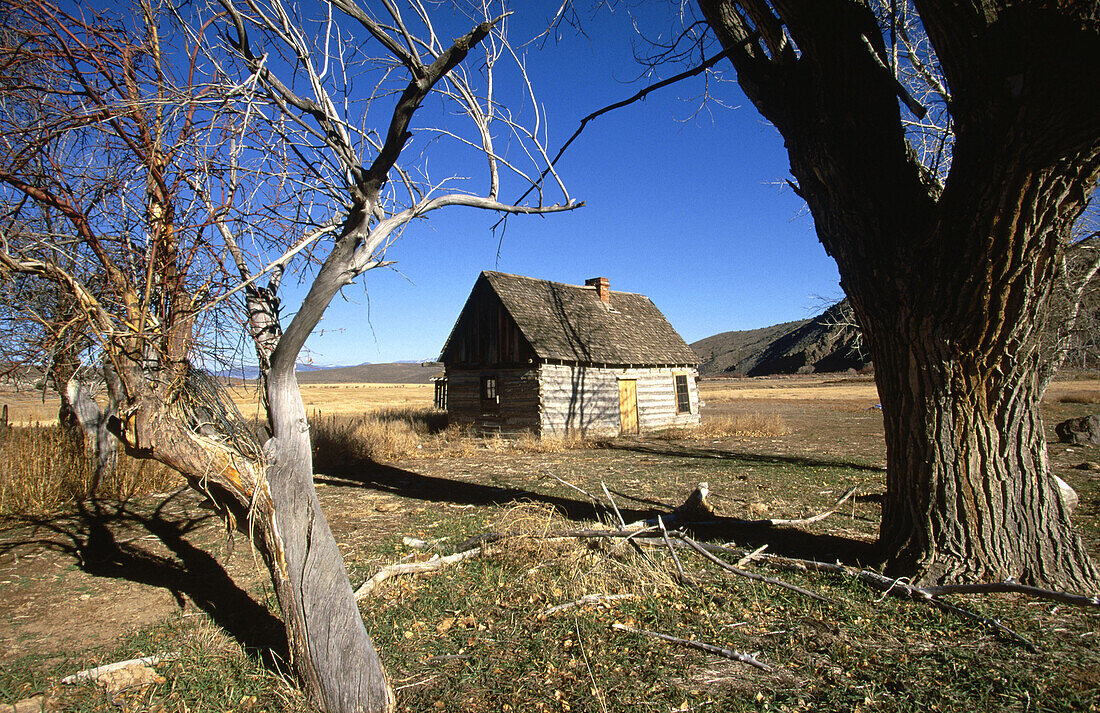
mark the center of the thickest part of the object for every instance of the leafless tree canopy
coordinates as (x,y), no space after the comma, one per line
(162,168)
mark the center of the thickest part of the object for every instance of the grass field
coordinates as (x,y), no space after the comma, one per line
(28,407)
(102,581)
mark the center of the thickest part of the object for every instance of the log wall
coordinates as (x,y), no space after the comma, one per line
(516,408)
(586,398)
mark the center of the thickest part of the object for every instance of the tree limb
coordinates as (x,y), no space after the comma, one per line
(709,648)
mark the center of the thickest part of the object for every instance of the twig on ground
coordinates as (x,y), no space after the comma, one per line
(100,671)
(1011,587)
(751,575)
(814,518)
(619,515)
(595,501)
(417,544)
(626,537)
(587,599)
(903,589)
(672,551)
(432,565)
(709,648)
(752,556)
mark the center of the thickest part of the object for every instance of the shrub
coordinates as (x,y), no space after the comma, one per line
(43,469)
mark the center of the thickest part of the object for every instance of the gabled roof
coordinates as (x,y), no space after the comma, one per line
(569,323)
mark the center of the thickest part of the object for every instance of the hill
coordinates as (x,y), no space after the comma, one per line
(828,342)
(396,373)
(737,352)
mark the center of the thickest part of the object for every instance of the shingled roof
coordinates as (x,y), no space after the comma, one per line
(570,323)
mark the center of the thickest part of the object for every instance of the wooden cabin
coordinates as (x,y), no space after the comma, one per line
(551,358)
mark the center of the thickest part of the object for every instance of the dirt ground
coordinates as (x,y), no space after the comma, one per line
(81,579)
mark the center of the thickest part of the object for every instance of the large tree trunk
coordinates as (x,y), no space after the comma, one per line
(969,494)
(956,336)
(950,283)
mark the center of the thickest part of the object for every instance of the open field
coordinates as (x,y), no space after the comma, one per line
(106,581)
(27,407)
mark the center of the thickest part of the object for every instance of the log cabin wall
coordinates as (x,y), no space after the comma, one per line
(586,398)
(514,407)
(488,336)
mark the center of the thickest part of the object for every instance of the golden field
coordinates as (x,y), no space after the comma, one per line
(29,407)
(26,408)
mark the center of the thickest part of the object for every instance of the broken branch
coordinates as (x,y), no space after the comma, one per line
(751,575)
(434,564)
(587,599)
(709,648)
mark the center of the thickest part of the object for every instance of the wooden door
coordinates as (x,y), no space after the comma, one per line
(628,405)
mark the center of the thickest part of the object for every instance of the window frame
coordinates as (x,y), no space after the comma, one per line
(490,390)
(683,398)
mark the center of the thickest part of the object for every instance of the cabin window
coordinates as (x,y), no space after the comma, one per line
(683,398)
(489,393)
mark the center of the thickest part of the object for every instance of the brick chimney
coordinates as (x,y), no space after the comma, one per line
(603,288)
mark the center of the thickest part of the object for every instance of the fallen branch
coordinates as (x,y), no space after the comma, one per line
(899,588)
(672,551)
(751,575)
(696,510)
(709,648)
(627,537)
(814,518)
(91,674)
(434,564)
(1011,587)
(619,515)
(593,498)
(752,556)
(587,599)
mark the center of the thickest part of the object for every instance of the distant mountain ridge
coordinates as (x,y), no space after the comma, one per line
(829,342)
(411,372)
(393,373)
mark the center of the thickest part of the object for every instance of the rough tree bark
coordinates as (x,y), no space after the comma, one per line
(950,283)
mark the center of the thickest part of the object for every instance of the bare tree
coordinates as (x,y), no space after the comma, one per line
(1073,332)
(285,139)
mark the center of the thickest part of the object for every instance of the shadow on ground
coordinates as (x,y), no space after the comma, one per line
(785,541)
(667,448)
(102,536)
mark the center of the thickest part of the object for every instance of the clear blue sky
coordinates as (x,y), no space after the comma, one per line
(682,208)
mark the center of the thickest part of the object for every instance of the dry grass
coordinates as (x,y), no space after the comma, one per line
(41,470)
(1080,397)
(528,442)
(787,388)
(385,434)
(745,425)
(345,399)
(27,407)
(570,568)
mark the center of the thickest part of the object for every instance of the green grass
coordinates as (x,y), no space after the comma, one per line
(212,673)
(471,639)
